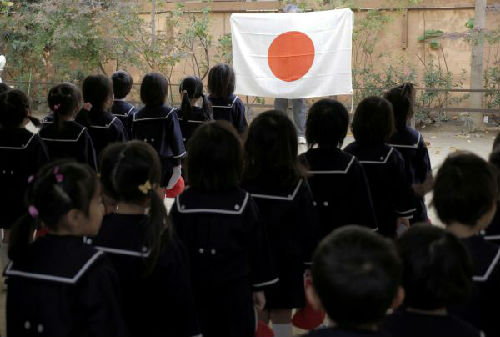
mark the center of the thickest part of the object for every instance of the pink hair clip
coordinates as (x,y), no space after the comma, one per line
(56,107)
(59,176)
(33,211)
(87,106)
(30,179)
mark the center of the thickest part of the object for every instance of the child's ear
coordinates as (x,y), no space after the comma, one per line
(312,297)
(399,298)
(76,219)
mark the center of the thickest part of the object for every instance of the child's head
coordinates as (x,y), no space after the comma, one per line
(154,89)
(402,99)
(221,80)
(65,100)
(215,157)
(191,88)
(327,123)
(98,91)
(271,149)
(64,197)
(356,275)
(466,191)
(373,121)
(122,84)
(4,87)
(437,271)
(14,108)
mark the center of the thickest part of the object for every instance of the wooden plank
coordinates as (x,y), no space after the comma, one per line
(404,32)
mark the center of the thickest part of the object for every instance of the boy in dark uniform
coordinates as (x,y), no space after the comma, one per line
(122,84)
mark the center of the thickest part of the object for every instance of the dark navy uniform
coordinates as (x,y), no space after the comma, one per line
(339,332)
(291,221)
(159,126)
(125,112)
(404,323)
(62,287)
(392,194)
(22,153)
(229,252)
(492,233)
(157,304)
(72,141)
(195,120)
(340,189)
(230,109)
(481,310)
(410,143)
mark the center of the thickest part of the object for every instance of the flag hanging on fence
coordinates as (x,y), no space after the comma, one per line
(293,55)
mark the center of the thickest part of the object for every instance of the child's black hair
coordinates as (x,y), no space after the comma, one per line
(437,270)
(131,172)
(465,189)
(14,108)
(215,157)
(4,87)
(373,121)
(192,87)
(64,100)
(327,123)
(221,80)
(122,84)
(154,89)
(97,90)
(401,98)
(55,190)
(356,274)
(271,150)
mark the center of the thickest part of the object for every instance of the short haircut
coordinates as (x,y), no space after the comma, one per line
(4,87)
(373,121)
(327,123)
(402,100)
(356,274)
(221,80)
(215,157)
(122,84)
(97,89)
(154,89)
(465,189)
(437,270)
(14,108)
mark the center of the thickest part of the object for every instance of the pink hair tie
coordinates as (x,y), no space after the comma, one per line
(33,211)
(59,176)
(87,106)
(56,107)
(30,179)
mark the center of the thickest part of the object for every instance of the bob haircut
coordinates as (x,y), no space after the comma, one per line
(221,80)
(373,121)
(327,123)
(154,89)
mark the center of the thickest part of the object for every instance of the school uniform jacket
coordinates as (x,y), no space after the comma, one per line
(492,233)
(410,143)
(340,189)
(124,111)
(22,154)
(189,126)
(228,248)
(392,194)
(230,109)
(72,141)
(62,287)
(159,126)
(339,332)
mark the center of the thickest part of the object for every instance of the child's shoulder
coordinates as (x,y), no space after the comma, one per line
(381,154)
(71,131)
(153,112)
(330,160)
(406,138)
(485,258)
(224,102)
(18,138)
(232,202)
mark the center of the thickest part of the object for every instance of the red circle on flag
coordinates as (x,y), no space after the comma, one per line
(290,56)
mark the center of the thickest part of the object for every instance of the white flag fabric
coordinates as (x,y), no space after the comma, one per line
(293,55)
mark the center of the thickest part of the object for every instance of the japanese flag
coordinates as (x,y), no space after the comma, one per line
(293,55)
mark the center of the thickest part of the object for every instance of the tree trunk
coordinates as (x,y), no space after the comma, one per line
(476,75)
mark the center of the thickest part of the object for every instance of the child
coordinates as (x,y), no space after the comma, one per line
(410,143)
(225,104)
(392,196)
(275,179)
(492,233)
(437,274)
(356,275)
(191,115)
(58,286)
(220,225)
(465,198)
(158,126)
(151,263)
(122,84)
(104,128)
(63,136)
(337,179)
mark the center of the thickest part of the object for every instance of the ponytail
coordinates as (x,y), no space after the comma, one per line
(186,109)
(207,109)
(21,235)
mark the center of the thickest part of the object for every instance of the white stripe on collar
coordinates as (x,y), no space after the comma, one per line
(414,146)
(382,160)
(273,281)
(116,251)
(279,197)
(47,277)
(65,140)
(229,106)
(237,208)
(104,126)
(490,269)
(151,118)
(22,147)
(335,171)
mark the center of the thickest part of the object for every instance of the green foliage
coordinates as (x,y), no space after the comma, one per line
(225,49)
(492,81)
(470,23)
(430,34)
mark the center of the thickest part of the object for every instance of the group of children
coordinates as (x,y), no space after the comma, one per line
(254,224)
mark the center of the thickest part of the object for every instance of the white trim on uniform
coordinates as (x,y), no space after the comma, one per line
(65,140)
(104,126)
(484,277)
(273,281)
(151,118)
(237,208)
(335,171)
(22,147)
(117,251)
(226,106)
(180,155)
(492,237)
(278,197)
(414,146)
(384,160)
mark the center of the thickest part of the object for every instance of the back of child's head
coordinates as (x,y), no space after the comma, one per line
(465,189)
(131,173)
(401,98)
(154,89)
(64,100)
(53,192)
(327,123)
(271,150)
(215,157)
(191,87)
(221,81)
(373,121)
(4,87)
(437,271)
(14,108)
(122,84)
(356,275)
(98,91)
